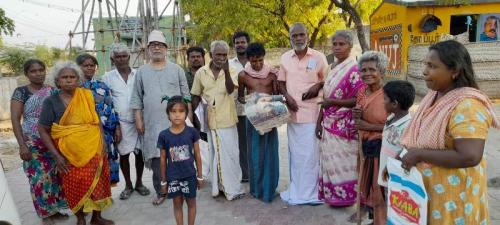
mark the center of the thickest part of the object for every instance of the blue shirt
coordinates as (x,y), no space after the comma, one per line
(180,156)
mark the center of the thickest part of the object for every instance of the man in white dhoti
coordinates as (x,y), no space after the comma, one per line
(241,40)
(153,81)
(216,83)
(121,82)
(300,79)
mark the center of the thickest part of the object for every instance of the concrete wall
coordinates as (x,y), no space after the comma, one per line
(7,86)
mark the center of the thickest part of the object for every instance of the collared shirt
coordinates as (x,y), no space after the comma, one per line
(121,92)
(300,75)
(236,64)
(238,67)
(221,106)
(391,146)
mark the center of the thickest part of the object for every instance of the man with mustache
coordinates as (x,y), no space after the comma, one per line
(196,59)
(241,39)
(154,80)
(300,80)
(490,29)
(216,83)
(121,81)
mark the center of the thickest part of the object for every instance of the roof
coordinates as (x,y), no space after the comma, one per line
(416,3)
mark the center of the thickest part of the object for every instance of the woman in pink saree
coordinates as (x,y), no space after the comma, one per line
(335,130)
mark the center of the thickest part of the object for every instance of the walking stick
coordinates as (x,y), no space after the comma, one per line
(360,175)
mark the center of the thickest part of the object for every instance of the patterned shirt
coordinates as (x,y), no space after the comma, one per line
(104,107)
(391,147)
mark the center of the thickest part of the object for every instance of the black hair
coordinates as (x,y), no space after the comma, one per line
(31,62)
(239,34)
(255,49)
(400,91)
(174,100)
(195,49)
(83,57)
(455,56)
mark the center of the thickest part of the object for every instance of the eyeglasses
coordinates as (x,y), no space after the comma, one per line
(156,45)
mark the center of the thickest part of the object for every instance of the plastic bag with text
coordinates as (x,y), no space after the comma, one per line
(406,197)
(266,111)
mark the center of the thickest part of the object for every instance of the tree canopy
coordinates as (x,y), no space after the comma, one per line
(6,24)
(269,21)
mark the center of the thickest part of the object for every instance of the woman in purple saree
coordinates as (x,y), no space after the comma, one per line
(335,130)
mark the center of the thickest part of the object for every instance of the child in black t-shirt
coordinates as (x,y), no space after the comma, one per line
(180,178)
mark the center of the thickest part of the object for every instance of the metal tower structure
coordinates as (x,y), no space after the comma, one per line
(147,18)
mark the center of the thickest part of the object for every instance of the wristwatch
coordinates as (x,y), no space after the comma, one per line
(163,183)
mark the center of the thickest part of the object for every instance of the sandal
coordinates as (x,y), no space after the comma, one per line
(159,200)
(142,190)
(126,194)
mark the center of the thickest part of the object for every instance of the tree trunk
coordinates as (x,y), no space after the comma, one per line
(314,35)
(346,6)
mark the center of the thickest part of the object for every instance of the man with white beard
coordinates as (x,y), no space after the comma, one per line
(154,80)
(301,75)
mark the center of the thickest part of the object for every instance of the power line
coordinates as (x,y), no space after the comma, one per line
(53,6)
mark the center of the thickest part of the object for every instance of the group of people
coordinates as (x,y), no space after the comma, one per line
(189,126)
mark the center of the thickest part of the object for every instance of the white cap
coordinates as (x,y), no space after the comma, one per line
(158,36)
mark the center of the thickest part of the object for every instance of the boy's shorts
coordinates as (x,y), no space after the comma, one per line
(185,187)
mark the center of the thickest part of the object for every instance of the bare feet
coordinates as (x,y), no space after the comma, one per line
(101,221)
(48,221)
(159,200)
(81,221)
(354,217)
(59,216)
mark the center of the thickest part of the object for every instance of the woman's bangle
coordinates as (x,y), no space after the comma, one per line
(163,183)
(200,179)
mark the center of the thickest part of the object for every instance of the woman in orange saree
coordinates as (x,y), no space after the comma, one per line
(70,128)
(370,116)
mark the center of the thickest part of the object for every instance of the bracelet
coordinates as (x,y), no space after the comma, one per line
(200,179)
(163,183)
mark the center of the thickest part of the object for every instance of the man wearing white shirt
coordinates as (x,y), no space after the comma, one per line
(121,82)
(241,39)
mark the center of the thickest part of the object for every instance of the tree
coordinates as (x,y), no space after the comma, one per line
(13,58)
(6,24)
(266,21)
(346,6)
(269,21)
(43,53)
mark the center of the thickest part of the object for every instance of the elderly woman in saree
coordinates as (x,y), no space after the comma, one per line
(370,117)
(106,110)
(70,128)
(38,163)
(446,138)
(335,130)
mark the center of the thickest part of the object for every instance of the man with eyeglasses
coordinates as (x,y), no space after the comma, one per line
(154,80)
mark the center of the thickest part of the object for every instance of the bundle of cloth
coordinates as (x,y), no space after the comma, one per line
(266,111)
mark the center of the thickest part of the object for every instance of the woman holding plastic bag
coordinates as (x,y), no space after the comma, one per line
(446,138)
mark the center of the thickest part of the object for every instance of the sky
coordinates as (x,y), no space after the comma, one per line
(49,22)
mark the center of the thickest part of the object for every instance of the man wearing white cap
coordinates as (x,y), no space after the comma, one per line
(154,80)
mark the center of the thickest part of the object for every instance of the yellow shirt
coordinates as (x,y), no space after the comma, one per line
(221,107)
(459,196)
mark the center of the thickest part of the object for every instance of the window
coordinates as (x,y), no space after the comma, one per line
(460,24)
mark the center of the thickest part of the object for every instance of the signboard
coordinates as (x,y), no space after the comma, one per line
(388,41)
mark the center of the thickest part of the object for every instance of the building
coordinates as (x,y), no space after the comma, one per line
(405,29)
